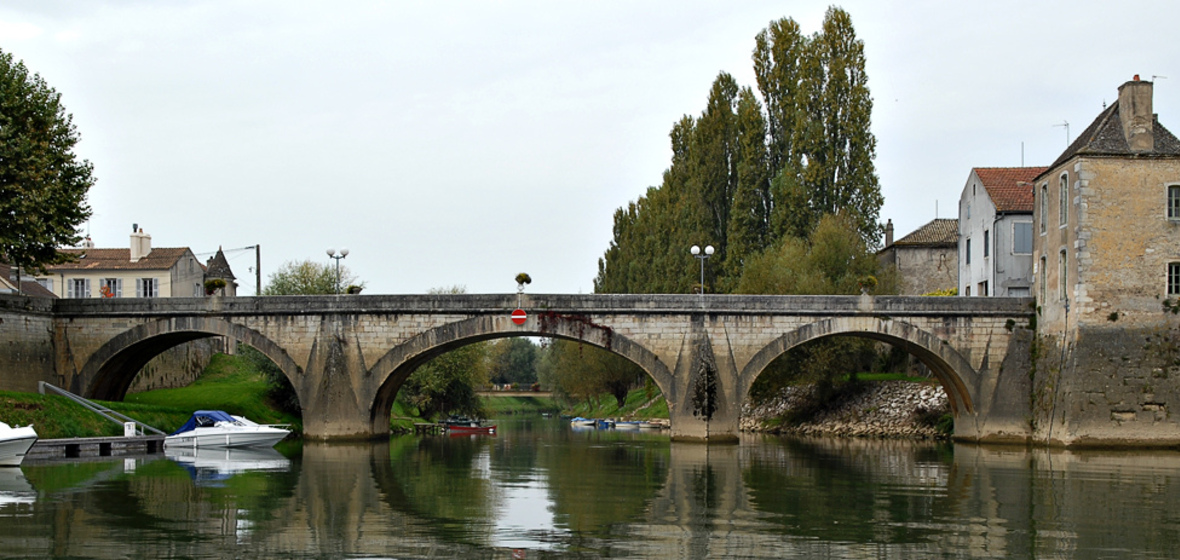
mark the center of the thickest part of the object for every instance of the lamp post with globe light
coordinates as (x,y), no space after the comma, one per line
(343,253)
(696,252)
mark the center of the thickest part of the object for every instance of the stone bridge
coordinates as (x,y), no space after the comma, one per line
(347,356)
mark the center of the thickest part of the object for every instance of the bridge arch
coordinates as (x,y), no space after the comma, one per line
(109,371)
(392,369)
(952,370)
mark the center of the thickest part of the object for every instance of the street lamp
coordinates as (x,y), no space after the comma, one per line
(696,252)
(343,253)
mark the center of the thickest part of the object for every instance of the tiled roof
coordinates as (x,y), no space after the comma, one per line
(1010,188)
(940,231)
(1104,137)
(161,258)
(218,267)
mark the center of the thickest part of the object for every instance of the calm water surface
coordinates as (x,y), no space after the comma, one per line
(540,489)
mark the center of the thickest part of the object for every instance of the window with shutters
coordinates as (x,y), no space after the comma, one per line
(147,287)
(78,288)
(112,287)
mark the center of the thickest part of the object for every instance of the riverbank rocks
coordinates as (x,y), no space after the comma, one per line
(882,409)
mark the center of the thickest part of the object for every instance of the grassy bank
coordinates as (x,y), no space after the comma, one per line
(228,383)
(639,405)
(496,405)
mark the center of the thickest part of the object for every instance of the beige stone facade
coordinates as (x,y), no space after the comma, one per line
(1103,240)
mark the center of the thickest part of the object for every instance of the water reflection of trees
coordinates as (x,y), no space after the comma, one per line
(612,495)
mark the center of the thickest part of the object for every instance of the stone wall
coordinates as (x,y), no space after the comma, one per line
(178,366)
(1112,386)
(26,343)
(924,269)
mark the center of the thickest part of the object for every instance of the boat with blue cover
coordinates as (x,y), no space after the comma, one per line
(217,428)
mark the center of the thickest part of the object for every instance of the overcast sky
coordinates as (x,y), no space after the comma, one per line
(460,143)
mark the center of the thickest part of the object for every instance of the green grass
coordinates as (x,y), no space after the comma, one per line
(229,383)
(507,405)
(638,405)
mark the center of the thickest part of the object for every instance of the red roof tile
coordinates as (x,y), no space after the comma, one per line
(161,258)
(1010,188)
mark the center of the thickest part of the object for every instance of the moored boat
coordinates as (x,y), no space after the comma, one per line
(626,425)
(15,443)
(216,428)
(461,425)
(579,421)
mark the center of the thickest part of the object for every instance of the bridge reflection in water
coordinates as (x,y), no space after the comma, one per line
(546,491)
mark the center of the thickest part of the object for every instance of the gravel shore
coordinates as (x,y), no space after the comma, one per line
(882,409)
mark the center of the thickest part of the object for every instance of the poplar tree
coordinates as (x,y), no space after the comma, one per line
(748,228)
(43,185)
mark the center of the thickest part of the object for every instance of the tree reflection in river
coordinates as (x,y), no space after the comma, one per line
(547,491)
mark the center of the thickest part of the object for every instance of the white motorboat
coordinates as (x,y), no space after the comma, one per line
(14,443)
(216,428)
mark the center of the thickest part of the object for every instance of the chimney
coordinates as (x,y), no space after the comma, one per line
(141,244)
(888,232)
(1135,113)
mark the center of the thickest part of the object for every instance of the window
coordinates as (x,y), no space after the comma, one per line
(968,210)
(46,283)
(111,287)
(967,291)
(1022,238)
(197,290)
(147,287)
(1174,202)
(78,288)
(1042,280)
(1063,196)
(986,244)
(1044,205)
(1018,292)
(967,256)
(1062,276)
(1174,278)
(983,288)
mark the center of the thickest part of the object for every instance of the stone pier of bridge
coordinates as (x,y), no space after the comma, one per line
(348,355)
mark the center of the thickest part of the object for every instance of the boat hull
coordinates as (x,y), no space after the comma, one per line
(15,444)
(464,430)
(261,436)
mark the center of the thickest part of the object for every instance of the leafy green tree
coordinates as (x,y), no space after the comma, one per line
(513,360)
(446,384)
(43,185)
(581,371)
(307,278)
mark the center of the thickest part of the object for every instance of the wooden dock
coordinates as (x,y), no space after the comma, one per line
(113,446)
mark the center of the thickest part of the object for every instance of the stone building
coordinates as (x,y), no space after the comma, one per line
(995,234)
(926,259)
(1106,280)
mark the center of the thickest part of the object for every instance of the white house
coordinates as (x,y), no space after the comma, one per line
(137,271)
(996,232)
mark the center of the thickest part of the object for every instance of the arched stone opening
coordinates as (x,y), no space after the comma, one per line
(953,372)
(109,371)
(395,367)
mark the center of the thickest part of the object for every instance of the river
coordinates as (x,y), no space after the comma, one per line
(540,489)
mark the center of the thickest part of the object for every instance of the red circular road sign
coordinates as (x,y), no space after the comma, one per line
(519,316)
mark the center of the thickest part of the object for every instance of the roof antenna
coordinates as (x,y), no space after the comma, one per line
(1066,125)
